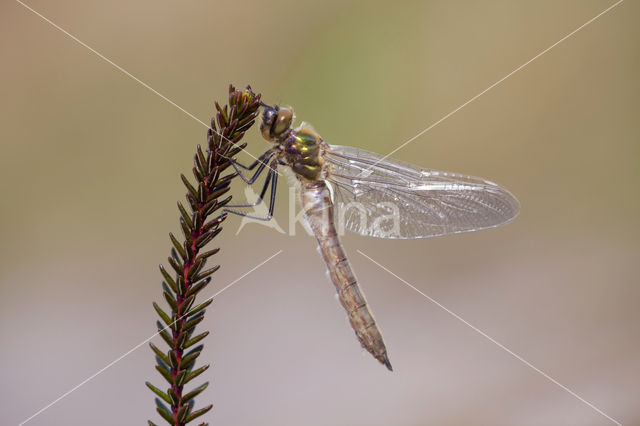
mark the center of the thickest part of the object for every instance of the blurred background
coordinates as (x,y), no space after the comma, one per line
(89,176)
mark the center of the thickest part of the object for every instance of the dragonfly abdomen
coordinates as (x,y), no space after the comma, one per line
(318,208)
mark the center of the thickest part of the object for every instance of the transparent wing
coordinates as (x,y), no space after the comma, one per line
(392,199)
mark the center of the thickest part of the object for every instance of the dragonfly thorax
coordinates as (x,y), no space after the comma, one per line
(303,152)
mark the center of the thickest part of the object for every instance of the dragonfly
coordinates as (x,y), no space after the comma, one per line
(371,195)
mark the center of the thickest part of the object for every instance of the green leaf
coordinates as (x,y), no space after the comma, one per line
(209,207)
(216,231)
(168,279)
(180,377)
(223,202)
(173,397)
(182,287)
(192,322)
(187,304)
(200,160)
(198,413)
(196,349)
(197,220)
(225,180)
(165,415)
(166,287)
(190,187)
(162,314)
(188,367)
(165,336)
(243,126)
(185,216)
(215,194)
(182,337)
(188,397)
(182,414)
(200,307)
(203,239)
(199,285)
(197,266)
(174,360)
(158,392)
(175,322)
(197,173)
(178,246)
(161,404)
(195,373)
(189,358)
(206,273)
(165,373)
(202,192)
(176,256)
(195,340)
(175,265)
(192,202)
(233,151)
(159,353)
(215,222)
(161,363)
(223,119)
(214,175)
(153,424)
(207,254)
(190,250)
(186,231)
(189,333)
(233,115)
(171,301)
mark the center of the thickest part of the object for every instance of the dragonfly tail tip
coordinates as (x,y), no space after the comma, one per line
(388,364)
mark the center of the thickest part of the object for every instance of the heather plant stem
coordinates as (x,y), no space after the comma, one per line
(178,351)
(187,259)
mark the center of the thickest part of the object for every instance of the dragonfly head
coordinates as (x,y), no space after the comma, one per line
(276,122)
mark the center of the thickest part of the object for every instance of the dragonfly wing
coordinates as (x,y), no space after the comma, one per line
(387,198)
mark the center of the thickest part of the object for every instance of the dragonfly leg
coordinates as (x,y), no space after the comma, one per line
(261,161)
(260,197)
(250,166)
(272,179)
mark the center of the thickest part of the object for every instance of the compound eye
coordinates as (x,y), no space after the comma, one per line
(267,116)
(283,121)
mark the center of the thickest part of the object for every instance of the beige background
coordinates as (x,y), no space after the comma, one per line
(89,171)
